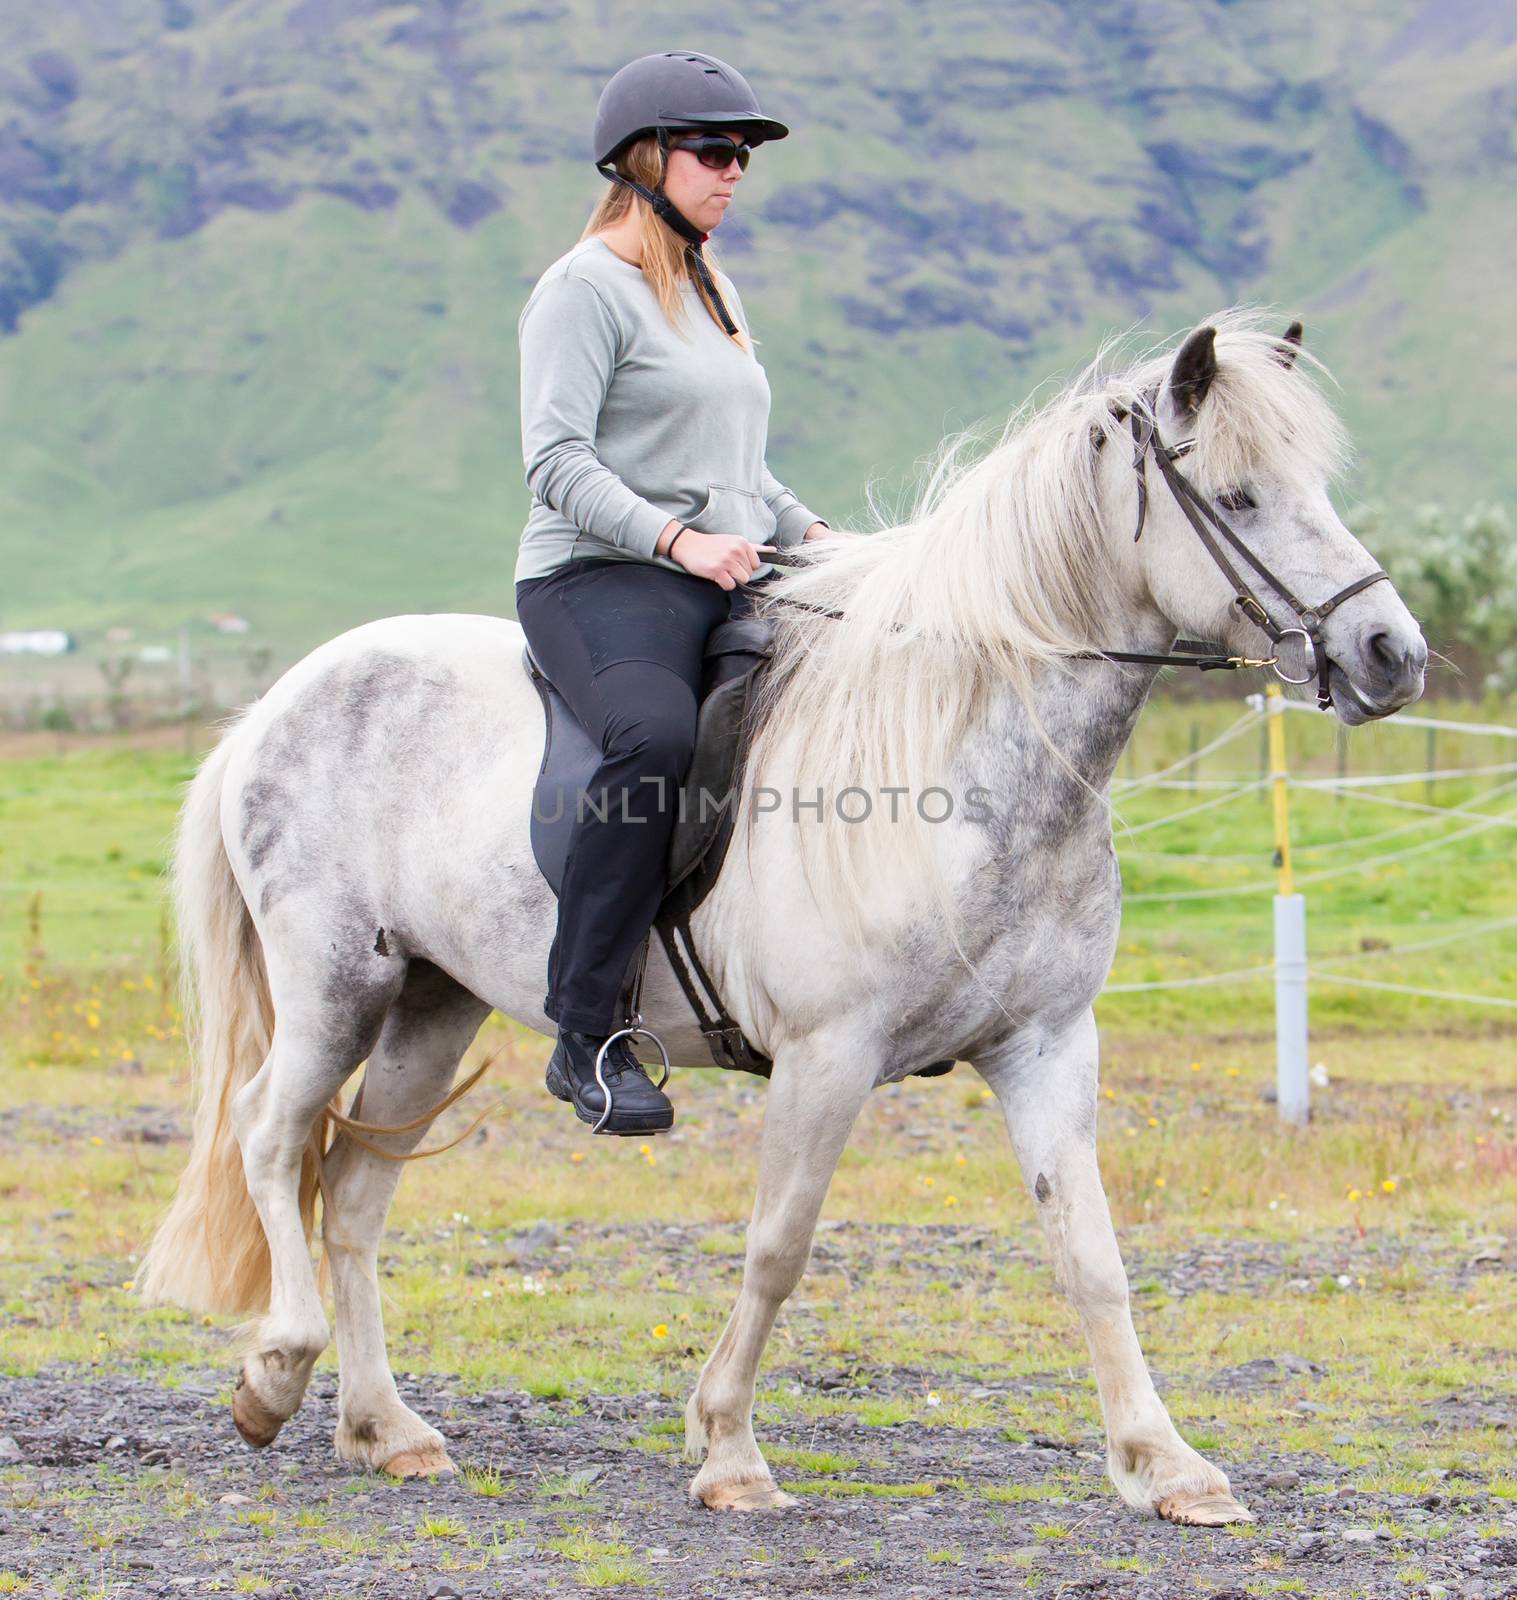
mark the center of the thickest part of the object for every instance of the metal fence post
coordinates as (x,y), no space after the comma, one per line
(1292,1086)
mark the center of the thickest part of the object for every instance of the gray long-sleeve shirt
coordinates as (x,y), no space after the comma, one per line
(625,424)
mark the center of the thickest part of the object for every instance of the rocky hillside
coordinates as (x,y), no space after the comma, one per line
(260,264)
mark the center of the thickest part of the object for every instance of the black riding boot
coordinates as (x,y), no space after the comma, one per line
(636,1105)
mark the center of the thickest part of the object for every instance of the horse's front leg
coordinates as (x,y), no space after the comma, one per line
(1047,1089)
(814,1098)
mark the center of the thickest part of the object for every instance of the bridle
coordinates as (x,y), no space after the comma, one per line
(1198,512)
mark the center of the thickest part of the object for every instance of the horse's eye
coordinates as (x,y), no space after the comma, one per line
(1237,500)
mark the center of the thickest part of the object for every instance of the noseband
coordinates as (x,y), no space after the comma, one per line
(1198,512)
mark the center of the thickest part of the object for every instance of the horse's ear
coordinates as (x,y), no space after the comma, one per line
(1118,413)
(1292,338)
(1193,371)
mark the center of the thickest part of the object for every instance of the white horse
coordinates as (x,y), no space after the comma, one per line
(354,880)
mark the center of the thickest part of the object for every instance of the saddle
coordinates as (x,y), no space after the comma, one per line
(737,653)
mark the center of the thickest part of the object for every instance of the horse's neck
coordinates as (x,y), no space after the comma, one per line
(1088,715)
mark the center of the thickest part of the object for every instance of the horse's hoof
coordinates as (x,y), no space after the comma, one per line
(1202,1509)
(746,1497)
(430,1462)
(255,1422)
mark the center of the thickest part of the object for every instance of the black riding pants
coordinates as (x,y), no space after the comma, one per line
(622,642)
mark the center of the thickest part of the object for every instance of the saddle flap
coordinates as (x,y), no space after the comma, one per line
(741,636)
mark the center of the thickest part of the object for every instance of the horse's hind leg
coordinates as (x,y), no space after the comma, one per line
(426,1032)
(814,1099)
(325,1024)
(1047,1089)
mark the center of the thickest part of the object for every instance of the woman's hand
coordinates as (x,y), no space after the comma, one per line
(820,530)
(727,559)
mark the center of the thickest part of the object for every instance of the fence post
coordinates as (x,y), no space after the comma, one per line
(1292,1086)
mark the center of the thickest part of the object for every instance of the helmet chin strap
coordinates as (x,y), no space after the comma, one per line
(664,208)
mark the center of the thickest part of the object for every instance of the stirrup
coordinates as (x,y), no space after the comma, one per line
(633,1027)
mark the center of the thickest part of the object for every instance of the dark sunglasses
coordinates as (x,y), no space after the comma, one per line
(713,150)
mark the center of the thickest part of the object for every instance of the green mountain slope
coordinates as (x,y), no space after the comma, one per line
(260,264)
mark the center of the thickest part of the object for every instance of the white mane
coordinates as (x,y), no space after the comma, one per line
(1003,568)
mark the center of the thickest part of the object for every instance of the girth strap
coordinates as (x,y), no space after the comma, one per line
(724,1035)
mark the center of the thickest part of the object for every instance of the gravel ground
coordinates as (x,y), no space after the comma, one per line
(114,1482)
(115,1485)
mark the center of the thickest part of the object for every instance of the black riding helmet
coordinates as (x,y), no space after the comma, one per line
(676,90)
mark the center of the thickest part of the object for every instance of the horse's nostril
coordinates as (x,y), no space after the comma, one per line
(1397,662)
(1384,649)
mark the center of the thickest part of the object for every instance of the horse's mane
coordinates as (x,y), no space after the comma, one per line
(1002,568)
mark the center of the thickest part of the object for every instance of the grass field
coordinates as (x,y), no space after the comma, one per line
(1372,1254)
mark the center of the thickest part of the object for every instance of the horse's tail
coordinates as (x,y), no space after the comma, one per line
(210,1252)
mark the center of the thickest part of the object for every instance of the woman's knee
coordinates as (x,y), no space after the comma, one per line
(650,716)
(659,739)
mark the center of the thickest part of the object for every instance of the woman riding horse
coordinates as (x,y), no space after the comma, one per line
(644,416)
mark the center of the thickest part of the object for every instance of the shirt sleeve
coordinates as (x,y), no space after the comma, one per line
(791,518)
(568,340)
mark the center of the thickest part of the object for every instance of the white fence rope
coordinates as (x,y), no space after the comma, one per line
(1406,988)
(1422,944)
(1370,780)
(1422,805)
(1266,969)
(1355,788)
(1249,719)
(1132,830)
(1344,841)
(1341,842)
(1389,780)
(1184,785)
(1494,730)
(1325,874)
(1237,975)
(1248,974)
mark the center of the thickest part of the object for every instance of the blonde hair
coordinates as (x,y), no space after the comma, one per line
(663,250)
